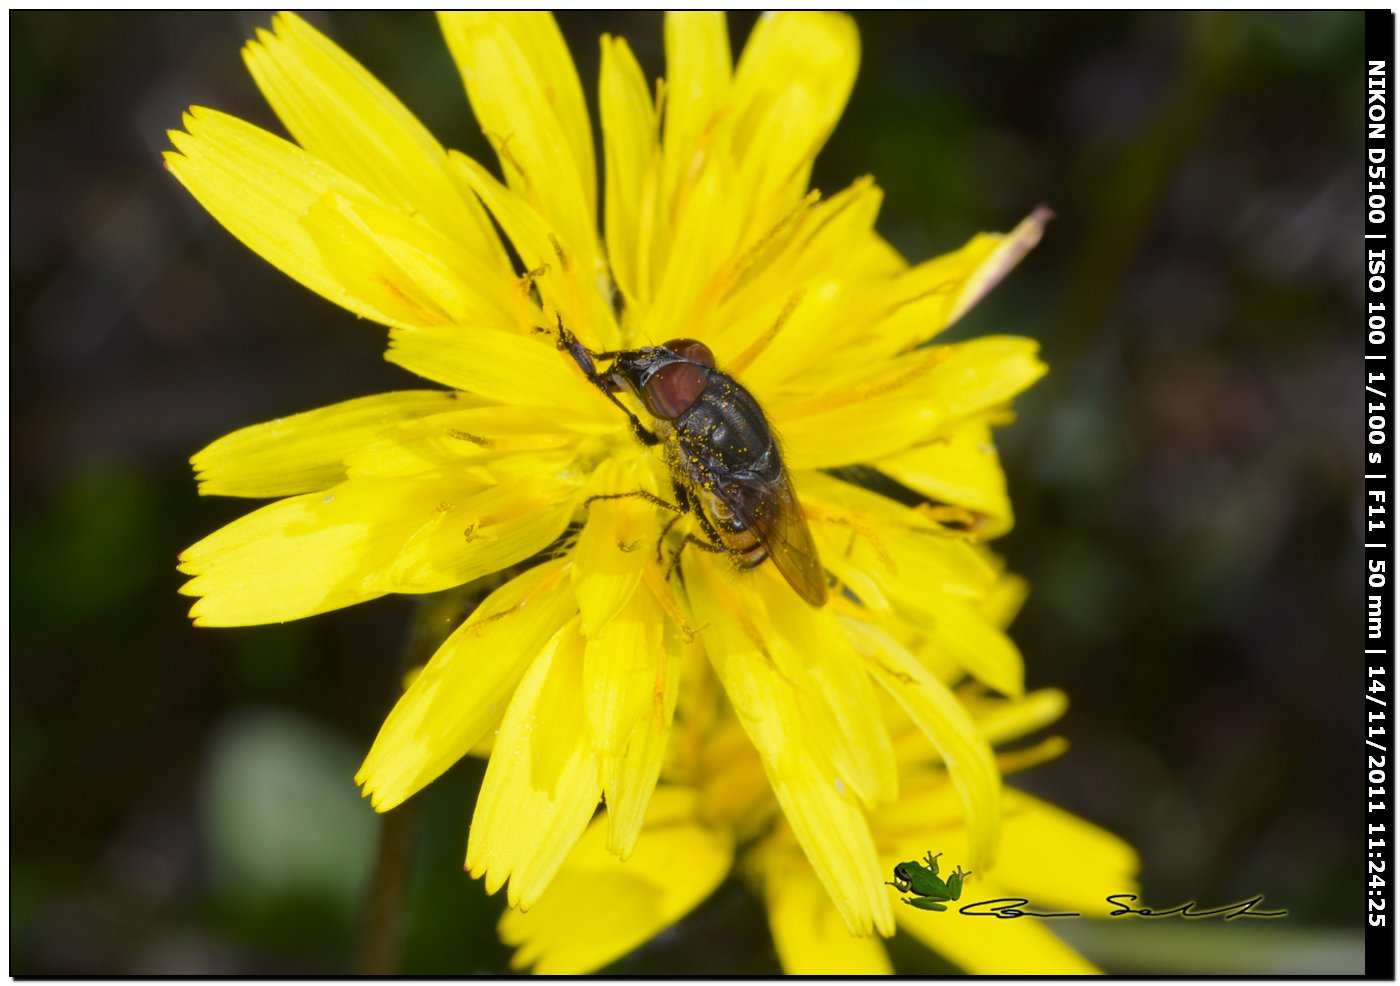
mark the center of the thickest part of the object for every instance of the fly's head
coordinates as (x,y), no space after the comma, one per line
(667,379)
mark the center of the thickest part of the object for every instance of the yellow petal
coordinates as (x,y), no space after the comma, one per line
(808,932)
(1060,859)
(621,662)
(484,445)
(835,697)
(833,832)
(790,86)
(261,189)
(343,115)
(465,537)
(408,268)
(1001,720)
(1024,758)
(742,663)
(501,367)
(543,781)
(708,234)
(698,69)
(939,662)
(820,266)
(618,540)
(963,633)
(567,280)
(305,452)
(598,909)
(821,807)
(462,691)
(778,324)
(912,396)
(942,718)
(736,793)
(631,153)
(1005,600)
(893,557)
(526,95)
(931,296)
(959,467)
(644,696)
(899,548)
(829,688)
(989,947)
(368,266)
(928,817)
(303,555)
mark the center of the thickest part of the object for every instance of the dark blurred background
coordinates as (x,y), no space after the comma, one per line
(1186,480)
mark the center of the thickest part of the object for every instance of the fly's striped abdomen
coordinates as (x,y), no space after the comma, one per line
(738,539)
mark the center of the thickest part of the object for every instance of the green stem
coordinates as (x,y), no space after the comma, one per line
(383,921)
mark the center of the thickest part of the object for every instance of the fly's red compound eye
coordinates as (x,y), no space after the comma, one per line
(672,389)
(693,350)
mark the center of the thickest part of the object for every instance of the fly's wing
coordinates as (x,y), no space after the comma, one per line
(770,509)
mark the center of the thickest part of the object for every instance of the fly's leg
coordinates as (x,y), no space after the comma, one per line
(649,498)
(716,541)
(640,495)
(585,359)
(683,508)
(714,545)
(683,499)
(700,543)
(662,539)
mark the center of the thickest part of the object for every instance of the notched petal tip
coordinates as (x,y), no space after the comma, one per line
(368,790)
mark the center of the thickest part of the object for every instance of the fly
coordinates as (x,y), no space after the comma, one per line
(724,460)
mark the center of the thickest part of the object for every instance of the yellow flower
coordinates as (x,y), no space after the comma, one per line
(708,231)
(713,813)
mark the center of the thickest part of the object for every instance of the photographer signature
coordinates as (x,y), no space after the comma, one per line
(1122,906)
(931,892)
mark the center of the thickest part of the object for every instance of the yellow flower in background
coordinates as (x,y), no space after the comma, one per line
(572,668)
(713,813)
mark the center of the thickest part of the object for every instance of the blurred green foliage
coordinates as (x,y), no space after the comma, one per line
(280,818)
(1186,481)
